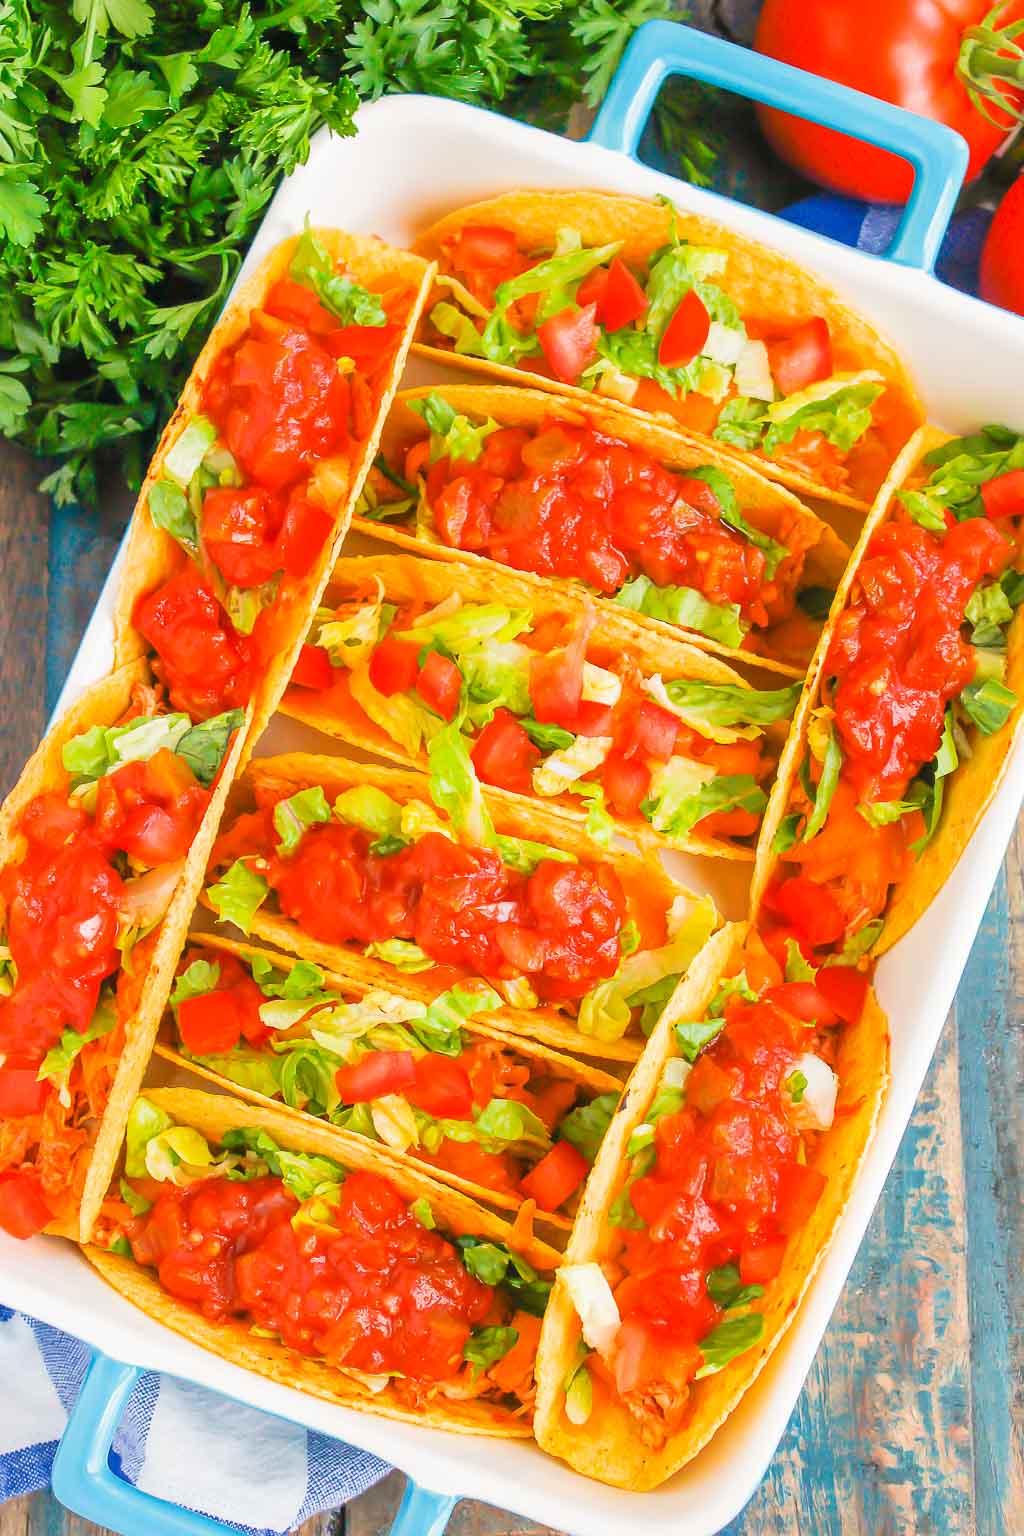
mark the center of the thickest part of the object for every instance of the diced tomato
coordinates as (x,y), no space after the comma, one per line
(289,300)
(209,1025)
(844,988)
(302,536)
(593,288)
(205,664)
(379,1073)
(487,245)
(313,668)
(1004,495)
(558,1175)
(21,1093)
(626,783)
(802,358)
(593,719)
(650,731)
(367,345)
(556,679)
(800,1188)
(803,1000)
(569,342)
(238,526)
(761,1261)
(23,1207)
(441,1087)
(623,299)
(150,810)
(51,820)
(686,332)
(637,1356)
(809,907)
(504,755)
(439,685)
(394,666)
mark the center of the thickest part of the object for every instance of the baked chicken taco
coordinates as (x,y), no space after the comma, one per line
(103,845)
(712,1202)
(499,1117)
(355,868)
(408,658)
(911,706)
(252,486)
(365,1284)
(664,311)
(671,532)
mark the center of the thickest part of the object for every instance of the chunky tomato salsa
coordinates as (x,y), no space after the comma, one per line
(545,707)
(720,1175)
(666,336)
(431,901)
(914,671)
(100,864)
(574,502)
(252,488)
(414,1077)
(335,1263)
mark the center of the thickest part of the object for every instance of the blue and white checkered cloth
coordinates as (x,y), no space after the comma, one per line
(176,1441)
(193,1447)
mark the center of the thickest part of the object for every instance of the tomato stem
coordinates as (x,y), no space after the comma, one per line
(990,59)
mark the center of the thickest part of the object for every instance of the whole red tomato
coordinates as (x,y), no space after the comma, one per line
(1002,260)
(914,53)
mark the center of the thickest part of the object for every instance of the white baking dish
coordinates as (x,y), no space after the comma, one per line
(414,158)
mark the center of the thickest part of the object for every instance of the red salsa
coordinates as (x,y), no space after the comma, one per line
(67,903)
(710,1205)
(462,905)
(290,403)
(898,659)
(573,502)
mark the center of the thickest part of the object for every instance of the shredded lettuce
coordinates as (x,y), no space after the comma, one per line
(521,854)
(403,954)
(724,712)
(826,788)
(237,897)
(312,266)
(144,1122)
(302,1173)
(731,1338)
(57,1064)
(718,481)
(370,809)
(606,1011)
(585,1126)
(399,715)
(685,607)
(840,408)
(496,1264)
(104,748)
(203,747)
(454,786)
(196,980)
(683,792)
(293,817)
(452,435)
(988,703)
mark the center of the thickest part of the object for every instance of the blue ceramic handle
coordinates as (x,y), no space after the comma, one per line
(422,1513)
(663,48)
(84,1483)
(82,1478)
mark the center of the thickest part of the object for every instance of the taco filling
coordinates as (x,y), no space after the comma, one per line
(80,910)
(250,488)
(914,673)
(576,502)
(663,335)
(335,1263)
(514,1123)
(719,1176)
(543,706)
(370,876)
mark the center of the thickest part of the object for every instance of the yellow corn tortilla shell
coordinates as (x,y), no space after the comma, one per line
(768,507)
(762,281)
(104,704)
(425,583)
(151,556)
(643,880)
(214,1114)
(608,1447)
(968,790)
(593,1080)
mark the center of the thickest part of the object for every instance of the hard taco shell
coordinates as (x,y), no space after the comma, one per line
(592,1079)
(104,704)
(608,1446)
(767,506)
(214,1114)
(647,885)
(764,284)
(152,556)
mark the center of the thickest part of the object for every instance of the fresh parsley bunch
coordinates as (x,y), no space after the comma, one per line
(141,140)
